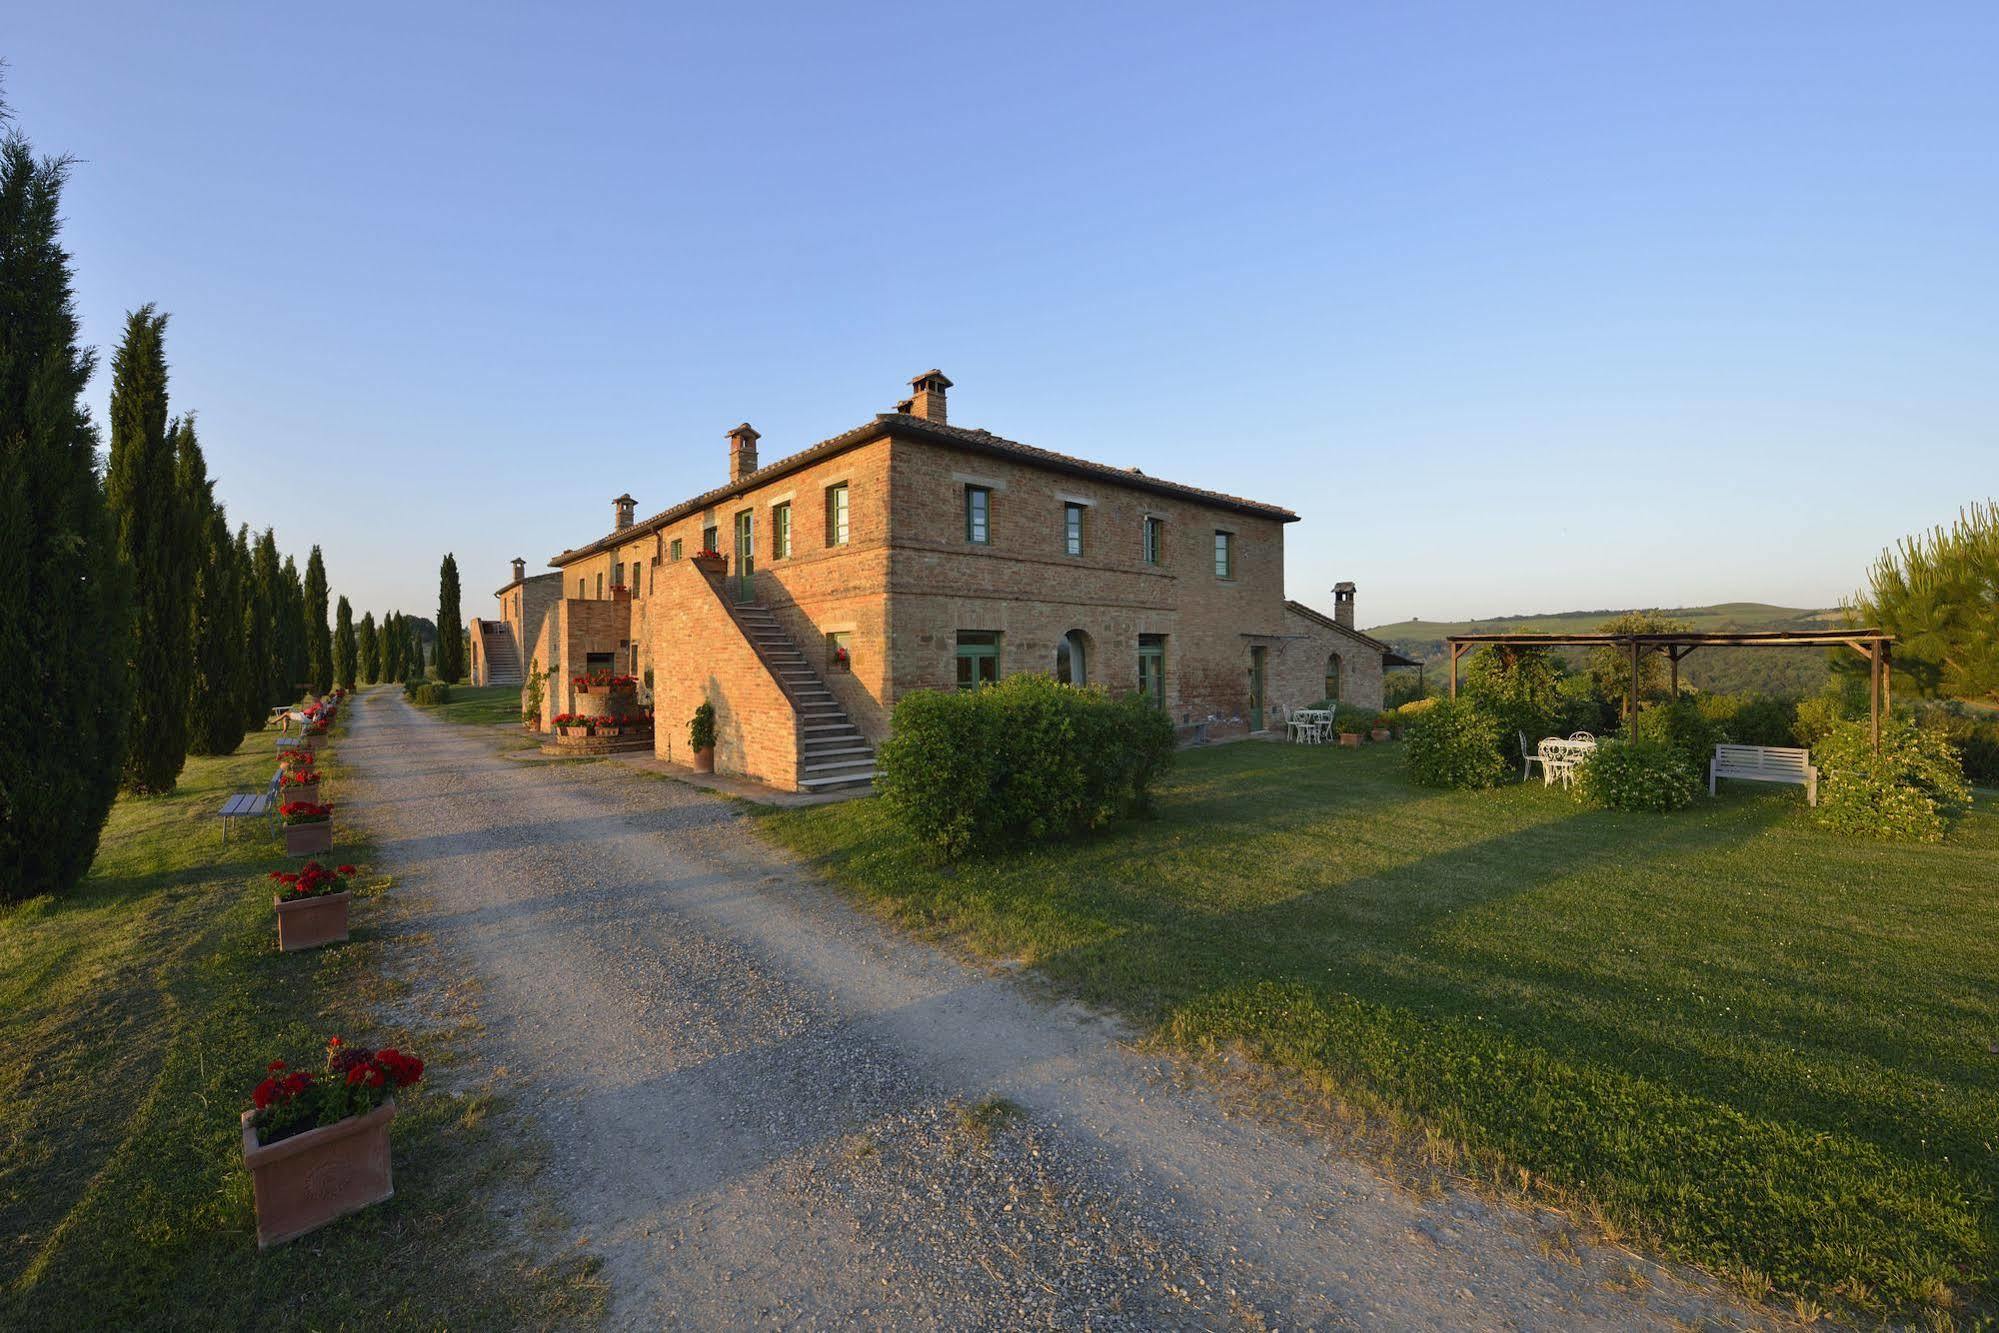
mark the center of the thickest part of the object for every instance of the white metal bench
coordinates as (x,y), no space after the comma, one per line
(1765,763)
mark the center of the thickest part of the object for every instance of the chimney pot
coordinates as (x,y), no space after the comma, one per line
(622,508)
(520,569)
(1343,604)
(742,451)
(928,401)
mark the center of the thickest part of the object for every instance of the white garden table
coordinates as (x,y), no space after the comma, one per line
(1559,758)
(1308,726)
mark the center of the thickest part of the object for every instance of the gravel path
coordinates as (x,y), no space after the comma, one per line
(767,1109)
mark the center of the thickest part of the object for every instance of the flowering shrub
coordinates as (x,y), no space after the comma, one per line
(1455,743)
(707,553)
(314,881)
(1636,775)
(603,680)
(1906,793)
(355,1081)
(304,812)
(299,775)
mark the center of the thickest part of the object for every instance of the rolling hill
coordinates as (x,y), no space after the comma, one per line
(1770,670)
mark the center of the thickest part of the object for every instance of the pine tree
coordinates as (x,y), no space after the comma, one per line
(450,657)
(64,614)
(318,639)
(345,651)
(369,649)
(292,630)
(152,542)
(214,689)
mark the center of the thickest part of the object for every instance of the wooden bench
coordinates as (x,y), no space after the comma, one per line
(1765,763)
(250,805)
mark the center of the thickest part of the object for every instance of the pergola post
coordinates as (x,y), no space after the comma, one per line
(1874,692)
(1631,703)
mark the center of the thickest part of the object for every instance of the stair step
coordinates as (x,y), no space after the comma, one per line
(838,781)
(851,768)
(836,749)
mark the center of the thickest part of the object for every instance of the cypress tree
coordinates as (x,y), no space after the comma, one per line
(152,545)
(413,659)
(318,639)
(369,649)
(268,612)
(214,687)
(450,655)
(249,666)
(345,654)
(64,627)
(393,643)
(292,629)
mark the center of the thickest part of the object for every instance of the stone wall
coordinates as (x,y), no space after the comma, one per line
(699,654)
(1299,665)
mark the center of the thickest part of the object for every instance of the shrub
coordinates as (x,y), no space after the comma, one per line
(1975,739)
(1683,728)
(1579,707)
(701,728)
(1455,743)
(1816,718)
(1751,719)
(1409,712)
(1024,759)
(427,692)
(1519,687)
(1907,792)
(1637,775)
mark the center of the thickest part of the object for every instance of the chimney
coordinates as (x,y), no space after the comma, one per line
(623,507)
(1343,604)
(742,452)
(520,569)
(928,401)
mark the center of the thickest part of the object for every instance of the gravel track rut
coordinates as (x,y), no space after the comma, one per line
(767,1109)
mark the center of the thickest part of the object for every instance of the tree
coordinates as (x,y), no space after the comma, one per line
(394,644)
(292,630)
(318,639)
(152,546)
(368,649)
(268,653)
(249,666)
(413,658)
(1610,667)
(450,651)
(215,722)
(64,627)
(1938,594)
(345,650)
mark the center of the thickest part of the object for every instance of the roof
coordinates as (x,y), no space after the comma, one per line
(1389,657)
(903,426)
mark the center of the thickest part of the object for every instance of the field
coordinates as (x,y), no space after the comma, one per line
(137,1013)
(1734,1036)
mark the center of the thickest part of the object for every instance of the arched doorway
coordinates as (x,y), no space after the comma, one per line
(1333,677)
(1072,658)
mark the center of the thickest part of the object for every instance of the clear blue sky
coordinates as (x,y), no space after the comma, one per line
(1522,307)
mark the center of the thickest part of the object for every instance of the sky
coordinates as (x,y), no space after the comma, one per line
(1522,308)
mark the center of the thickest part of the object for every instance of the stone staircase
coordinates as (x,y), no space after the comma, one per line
(503,662)
(833,755)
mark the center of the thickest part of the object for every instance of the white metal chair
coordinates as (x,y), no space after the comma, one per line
(1530,758)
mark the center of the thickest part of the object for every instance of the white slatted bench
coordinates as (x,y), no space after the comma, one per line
(1765,763)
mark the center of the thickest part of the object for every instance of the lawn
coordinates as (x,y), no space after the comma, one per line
(137,1013)
(481,705)
(1754,1045)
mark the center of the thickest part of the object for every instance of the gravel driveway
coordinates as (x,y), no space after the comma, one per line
(767,1109)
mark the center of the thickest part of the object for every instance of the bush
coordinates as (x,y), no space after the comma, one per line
(1027,758)
(1975,739)
(1455,743)
(1751,719)
(1637,775)
(1520,688)
(1817,717)
(1683,728)
(1908,792)
(1578,707)
(427,692)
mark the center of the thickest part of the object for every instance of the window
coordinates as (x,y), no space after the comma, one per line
(1225,555)
(1333,676)
(1155,532)
(1152,667)
(580,593)
(710,539)
(600,585)
(978,658)
(838,654)
(978,515)
(836,515)
(780,531)
(673,551)
(1072,657)
(1072,529)
(618,575)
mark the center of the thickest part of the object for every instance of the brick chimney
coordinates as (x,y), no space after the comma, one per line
(1343,604)
(928,401)
(742,452)
(623,506)
(520,569)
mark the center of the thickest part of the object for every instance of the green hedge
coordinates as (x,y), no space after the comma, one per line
(427,692)
(1637,775)
(1021,760)
(1456,743)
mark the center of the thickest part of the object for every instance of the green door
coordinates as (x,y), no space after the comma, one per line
(1152,667)
(746,556)
(1256,656)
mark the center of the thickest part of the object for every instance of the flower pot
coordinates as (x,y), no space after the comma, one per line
(305,839)
(307,793)
(704,759)
(610,731)
(307,923)
(304,1182)
(1350,739)
(711,564)
(1378,734)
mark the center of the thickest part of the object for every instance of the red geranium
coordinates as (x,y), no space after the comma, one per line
(304,812)
(312,881)
(358,1080)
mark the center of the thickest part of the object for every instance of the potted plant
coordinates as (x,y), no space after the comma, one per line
(841,662)
(317,1146)
(308,827)
(312,906)
(299,782)
(1383,727)
(572,726)
(709,561)
(608,725)
(701,737)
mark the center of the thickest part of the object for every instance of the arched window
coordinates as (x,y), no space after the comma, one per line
(1333,676)
(1072,658)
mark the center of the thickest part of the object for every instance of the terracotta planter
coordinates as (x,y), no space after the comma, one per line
(573,733)
(307,923)
(304,1182)
(1350,739)
(305,839)
(308,793)
(1378,734)
(704,759)
(711,564)
(610,731)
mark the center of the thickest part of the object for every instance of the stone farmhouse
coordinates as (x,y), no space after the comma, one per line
(807,595)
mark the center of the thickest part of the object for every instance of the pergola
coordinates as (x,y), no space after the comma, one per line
(1872,644)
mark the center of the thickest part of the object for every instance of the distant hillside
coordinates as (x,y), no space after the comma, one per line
(1771,670)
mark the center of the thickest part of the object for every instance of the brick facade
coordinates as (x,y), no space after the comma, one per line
(1305,665)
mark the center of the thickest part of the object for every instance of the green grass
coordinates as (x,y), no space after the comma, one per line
(137,1012)
(481,705)
(1739,1038)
